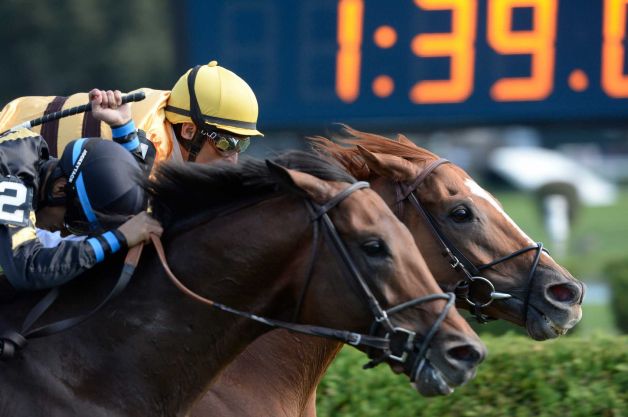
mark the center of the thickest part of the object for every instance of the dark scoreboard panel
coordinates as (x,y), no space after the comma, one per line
(419,62)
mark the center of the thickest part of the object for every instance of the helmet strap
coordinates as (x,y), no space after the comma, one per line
(193,146)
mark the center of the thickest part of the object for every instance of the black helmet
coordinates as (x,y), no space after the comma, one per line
(103,187)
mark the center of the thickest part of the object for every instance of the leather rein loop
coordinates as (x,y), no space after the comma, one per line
(457,260)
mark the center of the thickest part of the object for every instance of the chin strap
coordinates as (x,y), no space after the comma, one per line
(193,146)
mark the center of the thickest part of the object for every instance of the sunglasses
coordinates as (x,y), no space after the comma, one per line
(227,144)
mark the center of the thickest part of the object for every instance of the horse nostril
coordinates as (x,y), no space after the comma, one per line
(465,353)
(564,293)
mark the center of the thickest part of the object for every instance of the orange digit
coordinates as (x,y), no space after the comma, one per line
(348,58)
(459,45)
(614,82)
(538,42)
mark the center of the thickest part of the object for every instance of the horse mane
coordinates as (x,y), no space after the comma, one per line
(344,150)
(180,190)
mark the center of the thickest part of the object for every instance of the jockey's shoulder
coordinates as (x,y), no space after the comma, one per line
(19,133)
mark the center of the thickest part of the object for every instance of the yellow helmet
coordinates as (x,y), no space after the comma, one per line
(213,95)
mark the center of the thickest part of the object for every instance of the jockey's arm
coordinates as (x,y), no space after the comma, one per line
(135,141)
(42,259)
(107,107)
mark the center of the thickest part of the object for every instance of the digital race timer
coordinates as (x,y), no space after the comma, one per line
(419,62)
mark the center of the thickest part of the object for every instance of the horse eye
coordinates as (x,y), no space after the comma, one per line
(460,214)
(375,247)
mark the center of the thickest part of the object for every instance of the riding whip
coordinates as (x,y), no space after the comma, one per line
(139,96)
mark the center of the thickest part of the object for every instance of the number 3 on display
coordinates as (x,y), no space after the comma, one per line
(538,42)
(14,203)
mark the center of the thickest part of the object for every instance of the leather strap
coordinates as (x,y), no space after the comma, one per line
(12,341)
(196,143)
(335,200)
(422,175)
(341,335)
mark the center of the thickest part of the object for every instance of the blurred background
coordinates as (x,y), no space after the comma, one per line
(529,96)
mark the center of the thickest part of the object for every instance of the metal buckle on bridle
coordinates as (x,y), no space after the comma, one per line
(407,345)
(383,317)
(493,295)
(354,339)
(455,262)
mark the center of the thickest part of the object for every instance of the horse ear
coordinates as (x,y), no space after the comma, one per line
(389,166)
(300,183)
(404,140)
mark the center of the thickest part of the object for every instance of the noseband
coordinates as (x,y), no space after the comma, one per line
(474,288)
(398,344)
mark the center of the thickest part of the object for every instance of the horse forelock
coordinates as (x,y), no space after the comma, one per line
(184,189)
(344,149)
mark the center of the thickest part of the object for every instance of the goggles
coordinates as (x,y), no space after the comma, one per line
(227,144)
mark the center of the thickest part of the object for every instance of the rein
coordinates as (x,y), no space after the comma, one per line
(398,343)
(12,341)
(474,285)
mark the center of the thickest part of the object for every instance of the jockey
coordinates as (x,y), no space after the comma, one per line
(213,114)
(89,190)
(209,115)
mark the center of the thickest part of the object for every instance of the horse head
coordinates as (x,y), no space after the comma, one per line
(378,263)
(498,271)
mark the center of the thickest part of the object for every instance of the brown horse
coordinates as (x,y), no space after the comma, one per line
(545,298)
(245,236)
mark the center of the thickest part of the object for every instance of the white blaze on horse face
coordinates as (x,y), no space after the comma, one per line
(475,189)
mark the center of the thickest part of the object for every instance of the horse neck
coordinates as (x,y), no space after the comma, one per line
(276,375)
(243,261)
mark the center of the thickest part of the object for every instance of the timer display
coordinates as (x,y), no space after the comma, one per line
(419,62)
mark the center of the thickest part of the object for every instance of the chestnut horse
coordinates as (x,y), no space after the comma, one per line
(245,236)
(277,375)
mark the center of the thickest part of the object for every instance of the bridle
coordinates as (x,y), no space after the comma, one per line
(398,344)
(474,287)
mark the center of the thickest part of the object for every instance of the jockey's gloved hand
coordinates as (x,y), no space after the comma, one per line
(139,228)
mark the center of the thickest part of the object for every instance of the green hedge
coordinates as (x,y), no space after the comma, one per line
(617,275)
(568,377)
